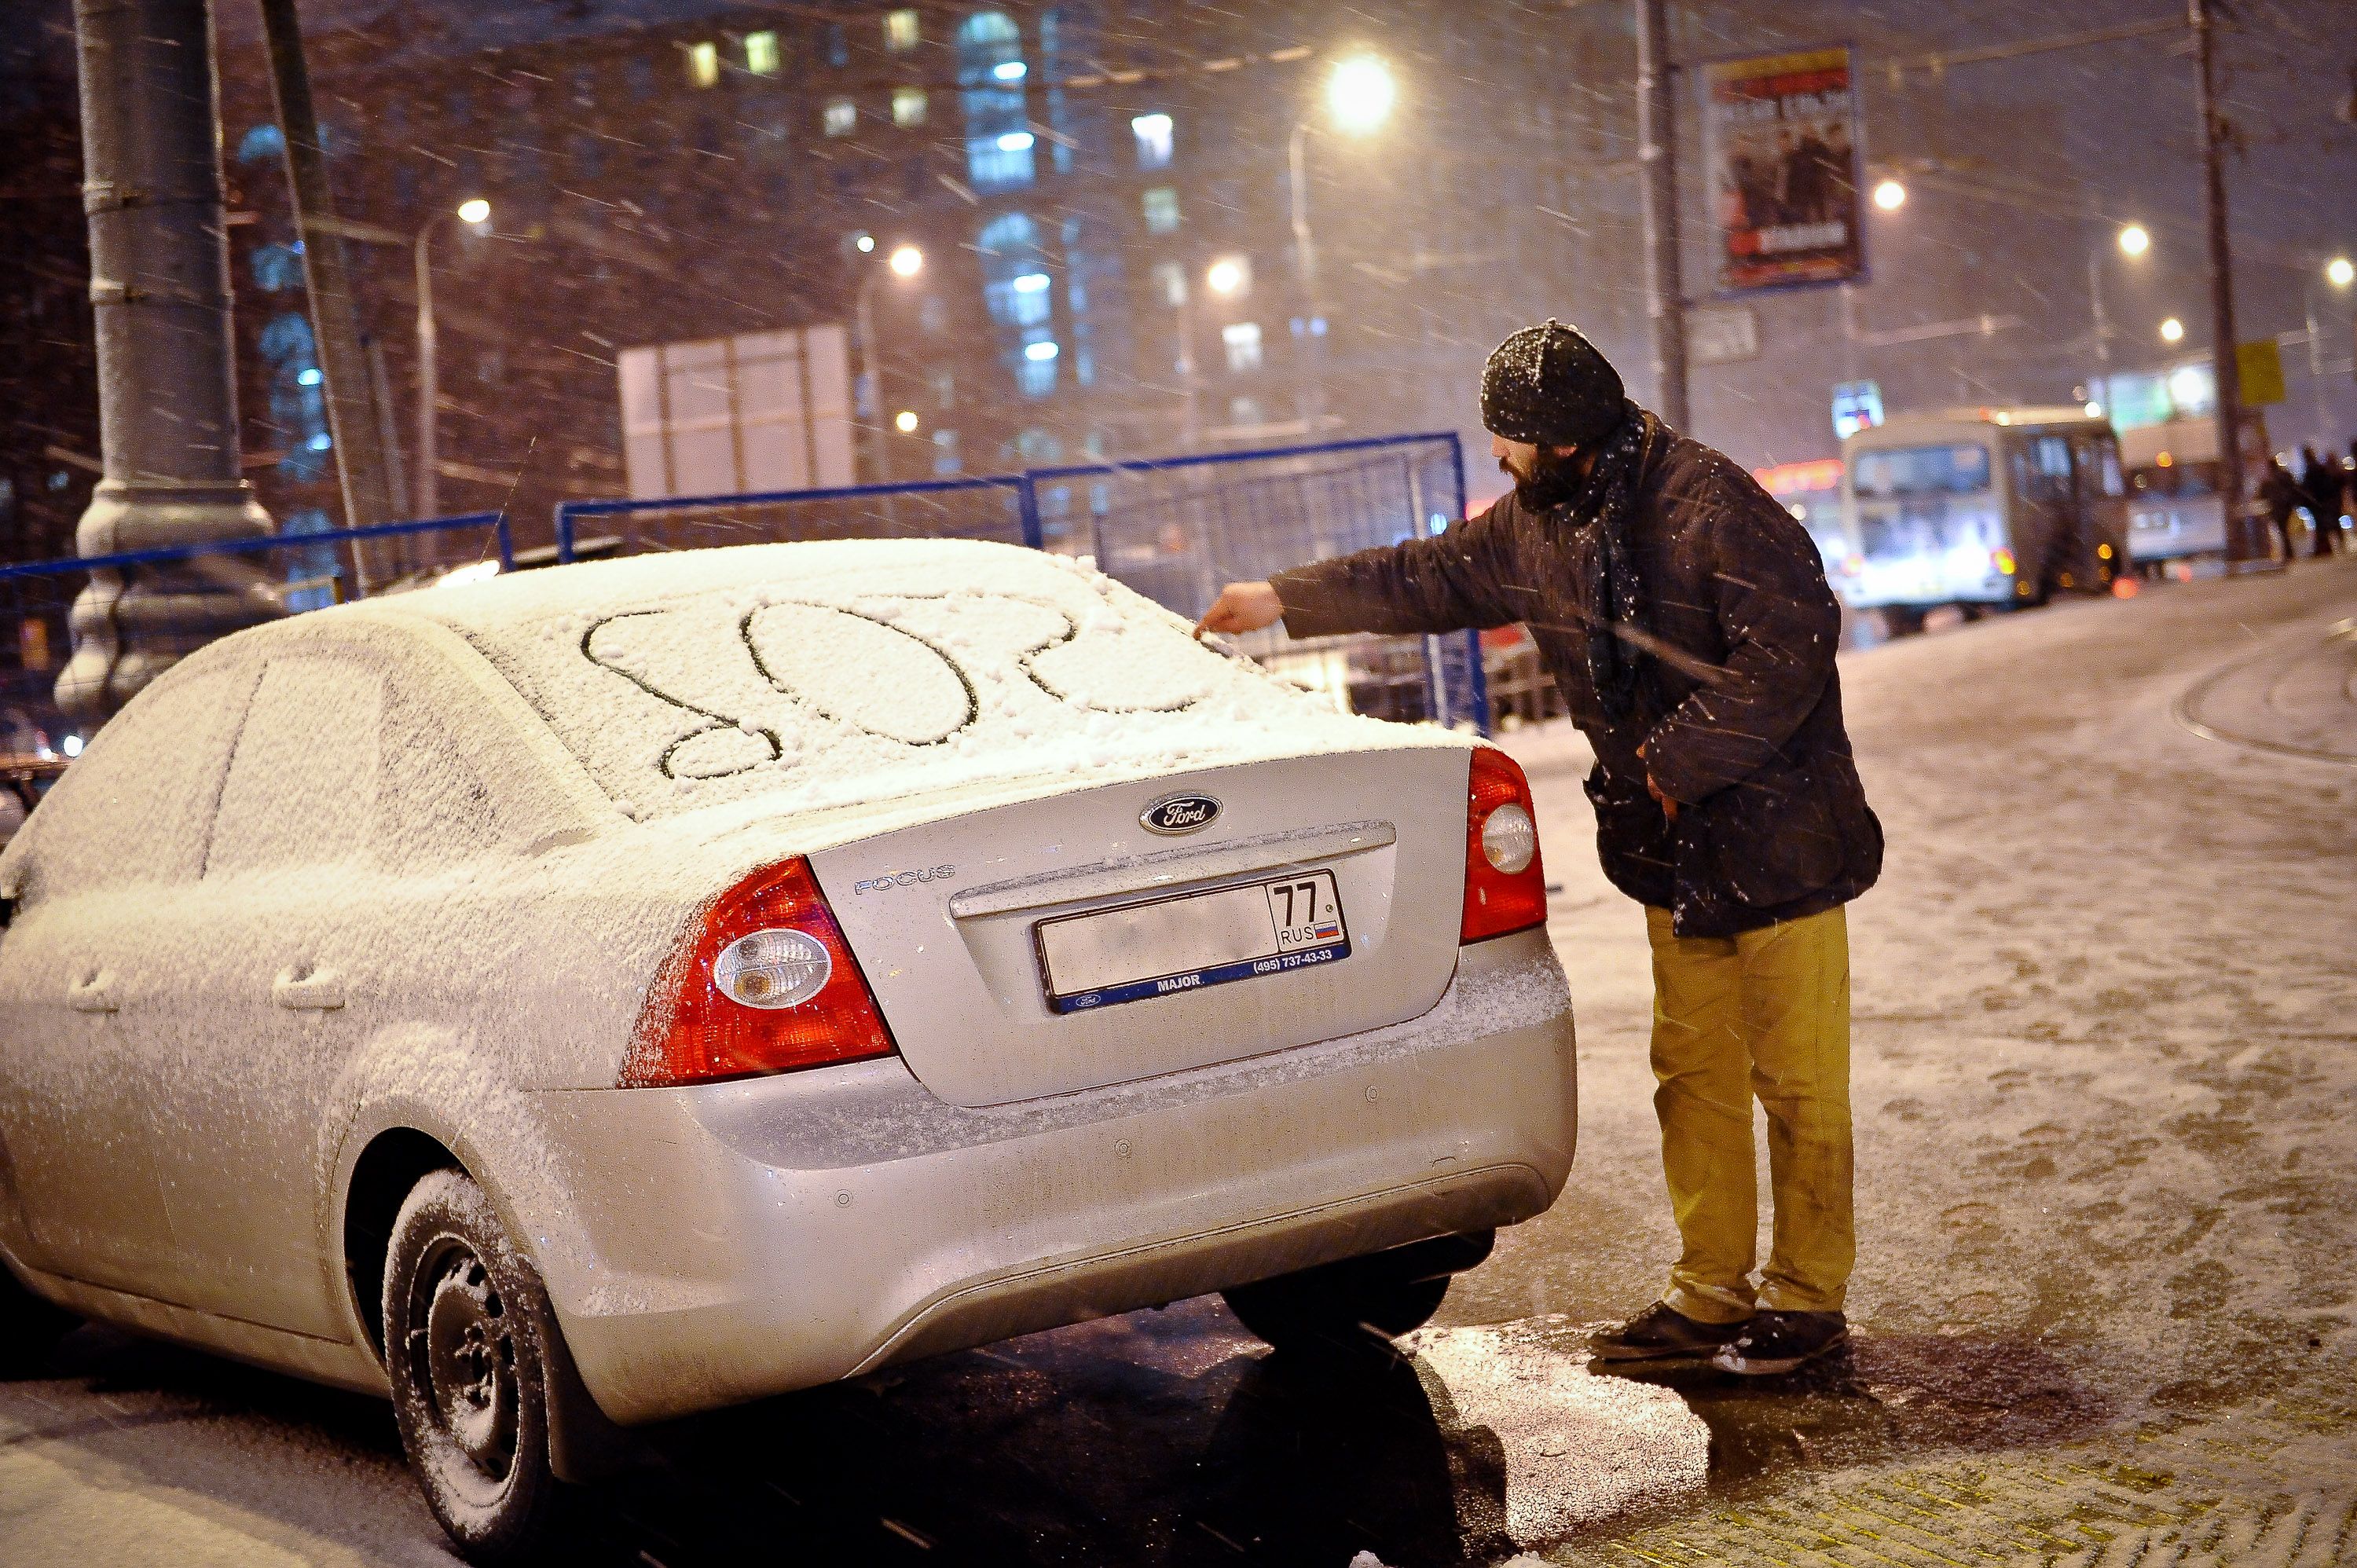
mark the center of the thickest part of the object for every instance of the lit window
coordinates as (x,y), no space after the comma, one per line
(703,63)
(1170,283)
(901,31)
(1153,134)
(1161,206)
(842,117)
(838,46)
(1243,339)
(1035,373)
(908,105)
(945,452)
(998,140)
(761,53)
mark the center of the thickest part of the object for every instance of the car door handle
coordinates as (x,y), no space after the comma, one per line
(93,993)
(308,990)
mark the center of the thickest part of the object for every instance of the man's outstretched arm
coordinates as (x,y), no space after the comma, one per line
(1422,586)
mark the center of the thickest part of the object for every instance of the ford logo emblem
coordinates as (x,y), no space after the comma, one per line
(1176,814)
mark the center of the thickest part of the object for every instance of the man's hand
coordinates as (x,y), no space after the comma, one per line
(1669,806)
(1241,607)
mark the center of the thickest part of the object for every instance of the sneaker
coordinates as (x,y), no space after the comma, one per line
(1776,1342)
(1662,1333)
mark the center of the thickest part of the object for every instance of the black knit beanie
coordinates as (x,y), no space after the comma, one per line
(1549,385)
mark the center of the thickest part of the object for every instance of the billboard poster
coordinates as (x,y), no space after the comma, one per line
(1780,144)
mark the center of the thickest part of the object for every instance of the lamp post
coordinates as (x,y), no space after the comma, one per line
(475,212)
(2134,240)
(906,261)
(1359,96)
(2340,273)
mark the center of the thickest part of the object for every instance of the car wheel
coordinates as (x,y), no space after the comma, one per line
(466,1337)
(28,1326)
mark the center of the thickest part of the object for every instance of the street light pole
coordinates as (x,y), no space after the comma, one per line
(2225,365)
(1311,359)
(906,261)
(429,381)
(1658,203)
(2103,322)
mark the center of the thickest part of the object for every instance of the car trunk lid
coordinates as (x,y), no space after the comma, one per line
(1052,945)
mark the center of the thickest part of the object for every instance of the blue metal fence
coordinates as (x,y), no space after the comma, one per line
(288,573)
(1174,529)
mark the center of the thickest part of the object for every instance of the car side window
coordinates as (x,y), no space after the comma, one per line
(134,809)
(304,779)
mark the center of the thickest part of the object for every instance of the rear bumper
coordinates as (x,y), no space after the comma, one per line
(736,1240)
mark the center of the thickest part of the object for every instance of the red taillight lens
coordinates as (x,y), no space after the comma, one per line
(729,1002)
(1505,890)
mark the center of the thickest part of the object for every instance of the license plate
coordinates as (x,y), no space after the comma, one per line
(1184,943)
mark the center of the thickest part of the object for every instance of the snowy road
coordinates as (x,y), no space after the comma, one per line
(2107,1053)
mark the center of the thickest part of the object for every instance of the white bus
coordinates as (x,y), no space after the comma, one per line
(2174,507)
(1984,508)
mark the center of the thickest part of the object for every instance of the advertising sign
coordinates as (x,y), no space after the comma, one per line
(2261,364)
(761,410)
(1781,146)
(1857,405)
(1722,334)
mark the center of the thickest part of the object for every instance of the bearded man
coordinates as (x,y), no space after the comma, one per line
(1685,618)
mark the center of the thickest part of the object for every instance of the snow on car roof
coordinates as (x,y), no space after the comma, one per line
(824,674)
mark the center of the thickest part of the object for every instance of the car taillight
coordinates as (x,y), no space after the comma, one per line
(1505,891)
(763,982)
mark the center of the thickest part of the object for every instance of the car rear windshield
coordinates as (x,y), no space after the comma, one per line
(1958,469)
(854,672)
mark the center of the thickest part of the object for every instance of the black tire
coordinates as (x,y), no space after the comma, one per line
(30,1327)
(1351,1311)
(468,1338)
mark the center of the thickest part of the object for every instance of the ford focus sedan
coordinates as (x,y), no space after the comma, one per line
(591,996)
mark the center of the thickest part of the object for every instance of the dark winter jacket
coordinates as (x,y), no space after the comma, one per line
(1739,712)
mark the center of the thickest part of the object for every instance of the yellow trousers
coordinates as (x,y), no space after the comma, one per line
(1763,1013)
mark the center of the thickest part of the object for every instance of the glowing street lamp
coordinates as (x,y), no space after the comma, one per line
(1360,93)
(905,422)
(1226,276)
(1359,97)
(2172,330)
(904,262)
(1890,196)
(476,213)
(2340,271)
(2134,240)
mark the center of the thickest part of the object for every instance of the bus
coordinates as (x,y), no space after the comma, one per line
(1984,508)
(2174,507)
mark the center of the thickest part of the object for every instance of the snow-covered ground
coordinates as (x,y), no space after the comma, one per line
(2106,1052)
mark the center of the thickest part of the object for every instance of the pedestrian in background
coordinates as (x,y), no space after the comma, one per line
(2283,496)
(1685,618)
(2324,481)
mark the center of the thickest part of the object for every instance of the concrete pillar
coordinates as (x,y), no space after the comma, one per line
(168,387)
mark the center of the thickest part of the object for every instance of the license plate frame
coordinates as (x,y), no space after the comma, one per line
(1307,945)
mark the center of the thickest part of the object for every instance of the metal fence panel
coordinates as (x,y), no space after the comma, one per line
(993,508)
(1174,529)
(282,573)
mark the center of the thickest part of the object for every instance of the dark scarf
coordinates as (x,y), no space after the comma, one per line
(1605,501)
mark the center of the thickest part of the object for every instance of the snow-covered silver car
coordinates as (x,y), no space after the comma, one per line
(603,993)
